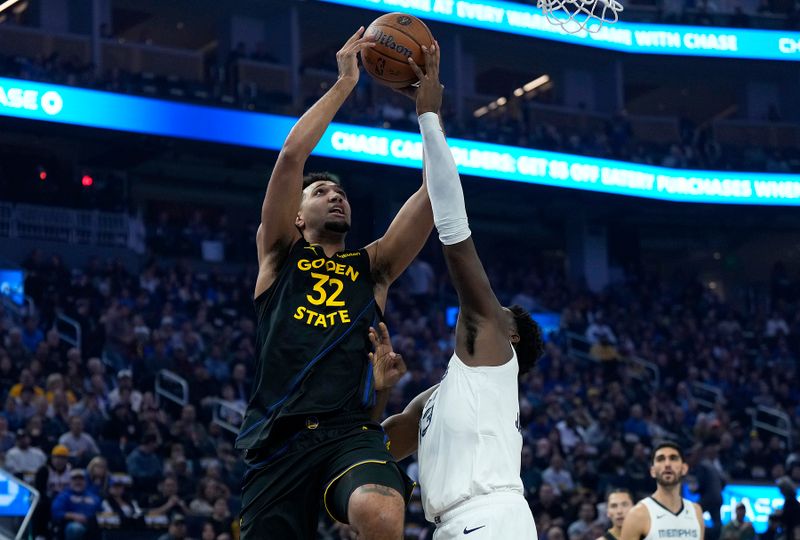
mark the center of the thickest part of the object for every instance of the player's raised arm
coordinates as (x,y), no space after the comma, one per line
(277,231)
(479,306)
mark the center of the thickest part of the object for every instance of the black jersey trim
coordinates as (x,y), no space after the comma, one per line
(667,509)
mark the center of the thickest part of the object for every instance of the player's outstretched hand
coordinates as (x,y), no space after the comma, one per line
(387,366)
(346,58)
(429,93)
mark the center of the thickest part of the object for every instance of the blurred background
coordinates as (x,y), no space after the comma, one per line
(127,232)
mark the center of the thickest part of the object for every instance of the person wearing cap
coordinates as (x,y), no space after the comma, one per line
(51,479)
(75,508)
(118,502)
(177,528)
(739,528)
(24,459)
(54,476)
(125,383)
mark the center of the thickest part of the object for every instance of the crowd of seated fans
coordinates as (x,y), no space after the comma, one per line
(85,426)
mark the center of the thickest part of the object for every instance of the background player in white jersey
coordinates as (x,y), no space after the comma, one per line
(618,503)
(467,428)
(665,515)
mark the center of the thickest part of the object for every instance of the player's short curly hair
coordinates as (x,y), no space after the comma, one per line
(312,177)
(531,343)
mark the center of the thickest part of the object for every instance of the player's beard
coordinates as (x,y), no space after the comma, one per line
(675,480)
(337,226)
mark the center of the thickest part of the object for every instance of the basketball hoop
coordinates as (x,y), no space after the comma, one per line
(575,16)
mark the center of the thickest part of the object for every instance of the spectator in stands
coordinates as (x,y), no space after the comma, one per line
(144,464)
(98,477)
(177,529)
(26,380)
(557,476)
(790,515)
(776,326)
(710,481)
(32,335)
(636,426)
(118,502)
(51,479)
(125,383)
(598,328)
(738,528)
(75,508)
(555,533)
(207,493)
(81,445)
(168,501)
(216,364)
(23,460)
(7,439)
(15,347)
(54,476)
(581,525)
(221,516)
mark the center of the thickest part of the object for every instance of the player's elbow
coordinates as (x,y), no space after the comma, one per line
(293,153)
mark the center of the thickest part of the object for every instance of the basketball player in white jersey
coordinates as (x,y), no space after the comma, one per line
(466,429)
(665,515)
(618,503)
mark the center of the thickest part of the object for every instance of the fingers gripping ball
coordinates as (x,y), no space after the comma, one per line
(397,37)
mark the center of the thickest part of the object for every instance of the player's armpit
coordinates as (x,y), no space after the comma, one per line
(391,254)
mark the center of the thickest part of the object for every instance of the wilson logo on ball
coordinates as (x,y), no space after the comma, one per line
(404,20)
(388,41)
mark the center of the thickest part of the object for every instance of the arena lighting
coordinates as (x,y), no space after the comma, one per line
(87,180)
(519,92)
(7,4)
(623,36)
(536,83)
(105,110)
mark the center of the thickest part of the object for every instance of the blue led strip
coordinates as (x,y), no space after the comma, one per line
(75,106)
(670,39)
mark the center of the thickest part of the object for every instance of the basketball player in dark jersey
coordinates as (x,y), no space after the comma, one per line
(309,432)
(618,504)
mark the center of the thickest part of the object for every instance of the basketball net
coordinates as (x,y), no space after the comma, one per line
(575,16)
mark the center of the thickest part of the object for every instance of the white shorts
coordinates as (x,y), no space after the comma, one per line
(496,516)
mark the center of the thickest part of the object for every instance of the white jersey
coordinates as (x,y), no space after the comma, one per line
(469,436)
(665,525)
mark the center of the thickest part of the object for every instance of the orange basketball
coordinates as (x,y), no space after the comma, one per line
(398,36)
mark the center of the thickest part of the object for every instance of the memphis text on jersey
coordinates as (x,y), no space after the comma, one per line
(677,533)
(325,292)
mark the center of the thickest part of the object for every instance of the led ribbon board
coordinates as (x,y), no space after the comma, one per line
(759,501)
(623,36)
(81,107)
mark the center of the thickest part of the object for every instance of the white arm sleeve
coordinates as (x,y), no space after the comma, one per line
(444,184)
